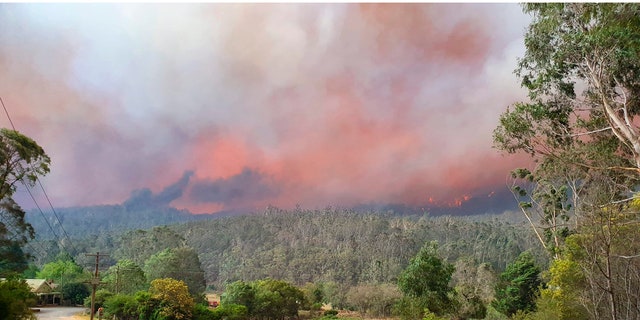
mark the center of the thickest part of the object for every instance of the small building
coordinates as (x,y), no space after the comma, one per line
(45,292)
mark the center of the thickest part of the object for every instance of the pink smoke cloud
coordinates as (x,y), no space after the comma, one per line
(267,104)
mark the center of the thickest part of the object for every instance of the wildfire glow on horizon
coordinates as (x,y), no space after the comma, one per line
(213,107)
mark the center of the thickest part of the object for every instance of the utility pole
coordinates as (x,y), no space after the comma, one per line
(95,281)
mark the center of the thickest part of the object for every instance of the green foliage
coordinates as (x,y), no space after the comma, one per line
(603,255)
(409,307)
(240,293)
(268,298)
(75,292)
(15,299)
(148,307)
(30,272)
(427,278)
(125,277)
(62,271)
(313,293)
(140,245)
(173,299)
(231,311)
(102,295)
(581,69)
(563,292)
(295,246)
(202,312)
(276,299)
(123,307)
(227,312)
(518,286)
(21,159)
(178,263)
(345,248)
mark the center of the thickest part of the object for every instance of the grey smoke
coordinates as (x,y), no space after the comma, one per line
(247,185)
(144,198)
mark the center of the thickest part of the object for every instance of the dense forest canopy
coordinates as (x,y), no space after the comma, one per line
(302,246)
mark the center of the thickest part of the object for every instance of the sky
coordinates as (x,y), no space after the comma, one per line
(213,107)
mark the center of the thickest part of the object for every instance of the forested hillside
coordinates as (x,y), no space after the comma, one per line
(81,221)
(343,246)
(300,246)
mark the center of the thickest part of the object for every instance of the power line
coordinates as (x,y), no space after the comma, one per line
(28,244)
(44,193)
(46,220)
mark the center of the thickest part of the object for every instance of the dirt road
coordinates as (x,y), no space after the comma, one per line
(59,313)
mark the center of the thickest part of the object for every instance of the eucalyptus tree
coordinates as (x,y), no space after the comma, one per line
(22,160)
(180,264)
(581,125)
(581,69)
(425,281)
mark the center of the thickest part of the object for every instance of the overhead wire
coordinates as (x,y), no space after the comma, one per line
(28,244)
(46,197)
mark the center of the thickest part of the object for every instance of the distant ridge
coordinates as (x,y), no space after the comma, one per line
(81,221)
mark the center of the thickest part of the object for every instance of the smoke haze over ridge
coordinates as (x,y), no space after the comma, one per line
(233,106)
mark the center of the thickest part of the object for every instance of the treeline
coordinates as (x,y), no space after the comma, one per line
(343,246)
(78,222)
(351,260)
(300,246)
(329,245)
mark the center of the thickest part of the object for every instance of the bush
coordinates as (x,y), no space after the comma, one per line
(15,299)
(74,292)
(101,296)
(231,311)
(202,312)
(124,307)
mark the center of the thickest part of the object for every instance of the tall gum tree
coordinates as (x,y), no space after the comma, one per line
(582,127)
(22,160)
(582,71)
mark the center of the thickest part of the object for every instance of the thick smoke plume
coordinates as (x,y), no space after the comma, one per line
(322,104)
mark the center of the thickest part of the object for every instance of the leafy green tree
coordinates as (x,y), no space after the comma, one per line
(123,307)
(565,288)
(15,299)
(63,270)
(75,292)
(426,278)
(590,45)
(518,286)
(239,293)
(148,307)
(174,300)
(581,69)
(230,312)
(276,299)
(21,160)
(313,293)
(139,245)
(268,298)
(125,277)
(177,263)
(30,272)
(102,295)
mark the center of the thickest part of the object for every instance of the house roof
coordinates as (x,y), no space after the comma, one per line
(39,285)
